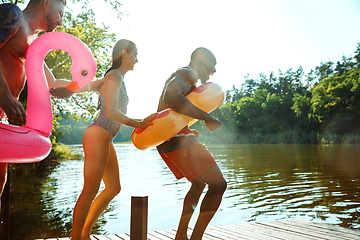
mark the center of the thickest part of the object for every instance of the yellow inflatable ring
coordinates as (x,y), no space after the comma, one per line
(168,123)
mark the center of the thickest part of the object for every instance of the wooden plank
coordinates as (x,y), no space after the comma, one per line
(156,235)
(124,236)
(227,234)
(205,236)
(170,234)
(328,227)
(255,231)
(101,237)
(270,231)
(242,232)
(313,231)
(114,237)
(289,230)
(302,230)
(53,239)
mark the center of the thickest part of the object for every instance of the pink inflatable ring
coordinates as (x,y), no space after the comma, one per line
(31,142)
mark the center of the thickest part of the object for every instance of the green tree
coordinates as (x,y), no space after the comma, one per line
(335,102)
(324,70)
(233,95)
(272,112)
(357,56)
(248,113)
(100,43)
(115,4)
(249,86)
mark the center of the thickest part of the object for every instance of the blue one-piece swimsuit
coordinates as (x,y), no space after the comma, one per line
(108,124)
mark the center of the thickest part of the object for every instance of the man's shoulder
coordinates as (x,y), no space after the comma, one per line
(10,14)
(10,19)
(187,73)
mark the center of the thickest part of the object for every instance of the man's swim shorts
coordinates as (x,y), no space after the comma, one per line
(186,156)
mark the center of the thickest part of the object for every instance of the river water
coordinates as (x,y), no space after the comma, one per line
(265,183)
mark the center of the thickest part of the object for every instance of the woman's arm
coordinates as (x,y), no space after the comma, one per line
(57,86)
(113,87)
(52,82)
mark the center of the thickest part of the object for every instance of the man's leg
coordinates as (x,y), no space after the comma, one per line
(211,202)
(3,178)
(190,202)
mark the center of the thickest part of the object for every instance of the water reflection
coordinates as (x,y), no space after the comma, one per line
(273,182)
(265,183)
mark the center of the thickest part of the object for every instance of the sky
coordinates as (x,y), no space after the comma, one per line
(247,37)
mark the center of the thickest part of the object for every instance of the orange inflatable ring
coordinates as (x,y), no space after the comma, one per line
(168,123)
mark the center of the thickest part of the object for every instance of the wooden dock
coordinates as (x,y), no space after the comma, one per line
(287,230)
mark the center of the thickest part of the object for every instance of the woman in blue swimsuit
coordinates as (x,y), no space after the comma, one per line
(100,156)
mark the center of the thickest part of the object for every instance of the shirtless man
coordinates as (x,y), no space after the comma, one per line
(18,29)
(184,154)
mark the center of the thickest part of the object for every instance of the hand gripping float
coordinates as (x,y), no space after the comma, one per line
(168,123)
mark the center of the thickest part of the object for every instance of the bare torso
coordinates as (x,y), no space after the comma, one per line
(12,56)
(180,79)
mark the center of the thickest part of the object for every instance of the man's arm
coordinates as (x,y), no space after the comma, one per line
(176,100)
(10,19)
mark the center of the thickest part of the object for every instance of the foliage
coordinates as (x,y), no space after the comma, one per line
(72,131)
(335,102)
(115,4)
(320,107)
(100,42)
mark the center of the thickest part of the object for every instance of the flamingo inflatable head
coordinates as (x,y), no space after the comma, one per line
(31,142)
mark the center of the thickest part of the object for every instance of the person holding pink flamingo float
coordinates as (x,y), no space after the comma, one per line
(101,162)
(18,29)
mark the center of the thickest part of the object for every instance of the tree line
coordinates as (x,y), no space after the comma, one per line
(293,107)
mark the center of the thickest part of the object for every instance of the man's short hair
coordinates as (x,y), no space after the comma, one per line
(62,1)
(200,53)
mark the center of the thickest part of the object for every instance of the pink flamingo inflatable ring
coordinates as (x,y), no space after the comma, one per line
(31,142)
(168,123)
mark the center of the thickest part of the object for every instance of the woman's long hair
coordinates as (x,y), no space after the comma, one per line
(117,56)
(117,52)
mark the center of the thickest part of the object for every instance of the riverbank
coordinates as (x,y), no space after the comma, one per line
(224,136)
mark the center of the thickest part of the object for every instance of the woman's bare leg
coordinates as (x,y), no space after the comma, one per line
(112,188)
(96,148)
